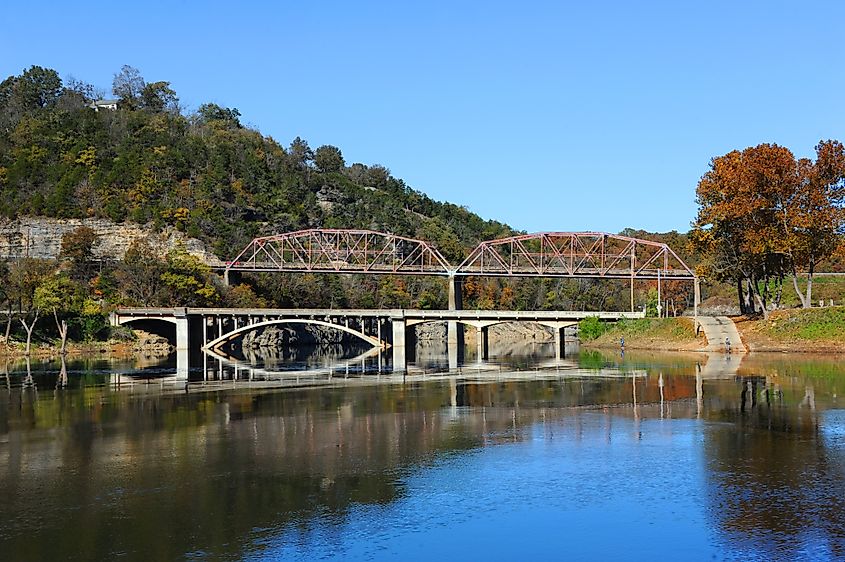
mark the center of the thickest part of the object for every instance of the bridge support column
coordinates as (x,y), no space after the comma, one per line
(560,342)
(481,343)
(231,277)
(398,345)
(182,364)
(454,333)
(182,343)
(456,295)
(181,320)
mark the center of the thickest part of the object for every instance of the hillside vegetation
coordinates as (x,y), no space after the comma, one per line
(204,173)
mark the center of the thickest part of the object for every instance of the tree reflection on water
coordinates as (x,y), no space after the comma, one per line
(97,469)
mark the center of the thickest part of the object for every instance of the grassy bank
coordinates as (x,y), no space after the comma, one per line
(797,330)
(646,333)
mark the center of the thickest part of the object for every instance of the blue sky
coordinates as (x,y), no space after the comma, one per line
(548,116)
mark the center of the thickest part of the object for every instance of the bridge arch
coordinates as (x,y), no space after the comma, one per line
(465,322)
(217,342)
(160,326)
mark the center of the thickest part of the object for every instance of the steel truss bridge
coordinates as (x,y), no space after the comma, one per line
(576,255)
(546,254)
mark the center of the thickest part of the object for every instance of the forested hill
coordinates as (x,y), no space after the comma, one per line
(204,173)
(65,152)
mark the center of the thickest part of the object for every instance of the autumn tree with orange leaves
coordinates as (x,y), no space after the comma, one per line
(763,216)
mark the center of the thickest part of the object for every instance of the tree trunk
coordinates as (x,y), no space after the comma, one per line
(29,328)
(809,302)
(8,326)
(755,291)
(740,294)
(62,327)
(749,302)
(798,290)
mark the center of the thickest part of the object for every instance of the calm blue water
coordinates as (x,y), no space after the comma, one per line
(576,464)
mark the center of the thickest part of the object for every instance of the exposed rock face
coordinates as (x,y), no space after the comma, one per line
(40,237)
(430,331)
(509,331)
(285,336)
(151,343)
(328,197)
(519,331)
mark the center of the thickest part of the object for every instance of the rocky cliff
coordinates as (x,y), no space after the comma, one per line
(40,237)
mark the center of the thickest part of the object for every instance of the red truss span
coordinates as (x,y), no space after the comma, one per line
(575,254)
(341,251)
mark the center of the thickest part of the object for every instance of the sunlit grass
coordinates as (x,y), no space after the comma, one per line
(810,324)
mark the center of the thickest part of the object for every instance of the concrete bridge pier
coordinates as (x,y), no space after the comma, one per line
(454,331)
(180,318)
(559,330)
(182,365)
(482,342)
(452,353)
(182,343)
(398,344)
(231,277)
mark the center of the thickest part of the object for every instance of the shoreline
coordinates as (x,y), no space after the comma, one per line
(117,350)
(798,331)
(784,349)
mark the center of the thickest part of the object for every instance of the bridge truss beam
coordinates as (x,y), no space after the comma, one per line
(576,255)
(341,251)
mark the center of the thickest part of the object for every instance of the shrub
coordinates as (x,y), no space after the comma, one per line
(591,328)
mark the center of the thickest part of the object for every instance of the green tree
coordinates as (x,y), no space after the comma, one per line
(24,278)
(211,112)
(591,328)
(300,153)
(652,303)
(188,279)
(158,97)
(36,88)
(329,159)
(7,298)
(243,296)
(59,296)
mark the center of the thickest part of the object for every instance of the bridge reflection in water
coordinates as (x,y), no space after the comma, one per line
(213,329)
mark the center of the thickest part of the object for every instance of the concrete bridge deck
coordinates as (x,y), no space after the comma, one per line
(216,327)
(411,314)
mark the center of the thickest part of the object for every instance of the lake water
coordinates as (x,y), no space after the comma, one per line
(595,456)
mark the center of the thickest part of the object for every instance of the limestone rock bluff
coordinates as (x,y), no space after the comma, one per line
(40,237)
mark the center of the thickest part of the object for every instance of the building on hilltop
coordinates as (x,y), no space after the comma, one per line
(97,105)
